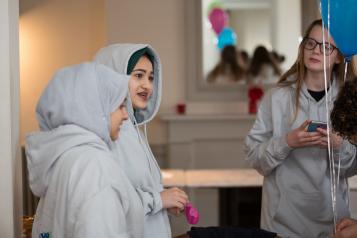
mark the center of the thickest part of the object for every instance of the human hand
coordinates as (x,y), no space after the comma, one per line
(345,222)
(175,211)
(346,228)
(335,140)
(299,137)
(174,198)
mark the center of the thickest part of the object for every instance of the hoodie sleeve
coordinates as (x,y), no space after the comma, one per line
(102,216)
(151,200)
(263,150)
(346,157)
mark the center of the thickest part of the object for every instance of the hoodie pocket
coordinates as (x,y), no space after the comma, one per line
(285,216)
(305,214)
(312,206)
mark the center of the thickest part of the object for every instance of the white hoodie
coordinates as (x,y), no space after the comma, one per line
(83,191)
(139,162)
(296,198)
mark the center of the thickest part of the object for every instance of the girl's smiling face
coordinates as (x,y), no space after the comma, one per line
(141,83)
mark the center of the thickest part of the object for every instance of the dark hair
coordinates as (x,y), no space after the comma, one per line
(244,56)
(135,57)
(261,56)
(228,65)
(299,68)
(344,113)
(277,57)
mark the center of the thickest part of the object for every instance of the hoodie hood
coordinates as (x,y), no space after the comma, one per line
(306,97)
(117,56)
(73,110)
(332,92)
(43,150)
(84,95)
(334,85)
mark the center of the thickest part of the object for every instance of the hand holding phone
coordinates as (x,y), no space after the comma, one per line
(313,125)
(300,137)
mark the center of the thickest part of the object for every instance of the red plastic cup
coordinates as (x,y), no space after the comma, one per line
(181,108)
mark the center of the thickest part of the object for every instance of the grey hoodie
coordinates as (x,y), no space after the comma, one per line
(83,191)
(139,163)
(296,189)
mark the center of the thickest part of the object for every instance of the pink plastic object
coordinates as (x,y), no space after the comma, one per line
(192,214)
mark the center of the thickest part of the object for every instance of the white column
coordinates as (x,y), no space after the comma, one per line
(287,22)
(10,162)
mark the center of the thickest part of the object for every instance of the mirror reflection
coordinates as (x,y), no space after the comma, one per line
(242,52)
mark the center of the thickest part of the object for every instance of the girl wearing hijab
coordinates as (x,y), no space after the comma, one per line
(296,199)
(83,190)
(141,62)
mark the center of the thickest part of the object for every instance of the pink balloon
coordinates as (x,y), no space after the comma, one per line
(218,18)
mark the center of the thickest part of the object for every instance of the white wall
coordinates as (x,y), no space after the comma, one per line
(161,24)
(54,34)
(287,20)
(10,163)
(253,28)
(211,53)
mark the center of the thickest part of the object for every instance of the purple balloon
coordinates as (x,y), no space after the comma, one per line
(218,18)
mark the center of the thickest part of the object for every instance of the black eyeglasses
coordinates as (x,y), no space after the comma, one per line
(310,44)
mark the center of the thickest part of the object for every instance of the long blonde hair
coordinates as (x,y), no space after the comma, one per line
(299,69)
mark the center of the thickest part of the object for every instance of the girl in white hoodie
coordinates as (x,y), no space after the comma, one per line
(83,190)
(296,198)
(142,63)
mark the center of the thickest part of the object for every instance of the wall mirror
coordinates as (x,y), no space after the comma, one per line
(251,20)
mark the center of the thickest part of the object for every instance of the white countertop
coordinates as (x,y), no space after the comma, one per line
(174,177)
(212,178)
(218,178)
(223,178)
(206,117)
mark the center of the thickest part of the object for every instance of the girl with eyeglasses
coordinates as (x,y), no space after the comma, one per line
(297,199)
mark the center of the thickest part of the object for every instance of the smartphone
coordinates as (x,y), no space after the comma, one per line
(316,124)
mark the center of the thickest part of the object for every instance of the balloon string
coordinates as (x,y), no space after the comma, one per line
(329,149)
(345,75)
(331,155)
(339,157)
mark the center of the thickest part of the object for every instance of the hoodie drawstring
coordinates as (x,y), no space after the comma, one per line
(145,144)
(151,153)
